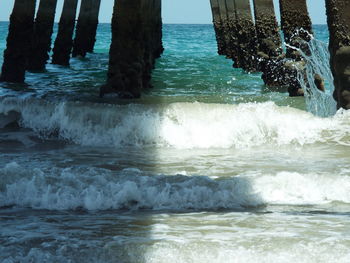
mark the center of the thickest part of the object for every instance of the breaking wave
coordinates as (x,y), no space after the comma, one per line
(178,125)
(102,189)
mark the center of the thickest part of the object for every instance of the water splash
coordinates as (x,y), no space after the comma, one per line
(318,102)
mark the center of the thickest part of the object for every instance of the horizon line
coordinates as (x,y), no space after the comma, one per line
(173,23)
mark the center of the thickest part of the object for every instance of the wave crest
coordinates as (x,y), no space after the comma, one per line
(179,125)
(101,189)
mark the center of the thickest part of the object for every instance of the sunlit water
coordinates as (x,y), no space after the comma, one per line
(209,166)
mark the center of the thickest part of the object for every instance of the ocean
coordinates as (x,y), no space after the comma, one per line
(208,166)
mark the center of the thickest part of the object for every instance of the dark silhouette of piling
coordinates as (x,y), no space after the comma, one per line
(296,26)
(149,39)
(269,40)
(41,40)
(80,43)
(153,39)
(95,11)
(18,41)
(135,45)
(246,37)
(297,29)
(220,39)
(85,34)
(224,27)
(126,51)
(338,19)
(232,43)
(267,30)
(64,40)
(158,29)
(137,41)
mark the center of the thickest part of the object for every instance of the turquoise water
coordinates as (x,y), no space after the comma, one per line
(208,166)
(190,70)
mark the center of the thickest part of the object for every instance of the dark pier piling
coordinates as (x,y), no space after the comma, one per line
(18,41)
(267,30)
(41,40)
(246,36)
(133,47)
(158,29)
(296,26)
(80,43)
(232,48)
(270,44)
(64,40)
(297,29)
(338,14)
(149,38)
(224,27)
(137,41)
(85,34)
(95,11)
(220,38)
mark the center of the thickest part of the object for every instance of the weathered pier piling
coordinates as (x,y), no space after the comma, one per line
(137,41)
(224,27)
(18,41)
(149,39)
(41,40)
(297,29)
(95,11)
(296,26)
(246,37)
(269,40)
(132,45)
(64,40)
(232,45)
(158,29)
(220,38)
(267,30)
(338,19)
(85,34)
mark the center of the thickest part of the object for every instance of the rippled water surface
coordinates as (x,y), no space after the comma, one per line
(208,166)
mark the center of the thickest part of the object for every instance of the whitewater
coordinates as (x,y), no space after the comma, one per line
(208,166)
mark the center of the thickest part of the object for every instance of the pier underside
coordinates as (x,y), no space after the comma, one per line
(254,44)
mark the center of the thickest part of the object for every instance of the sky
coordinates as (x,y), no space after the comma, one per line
(176,11)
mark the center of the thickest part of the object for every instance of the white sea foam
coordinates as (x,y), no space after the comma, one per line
(100,189)
(179,125)
(189,252)
(223,253)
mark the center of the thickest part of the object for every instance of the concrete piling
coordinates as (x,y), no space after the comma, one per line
(297,29)
(232,45)
(18,41)
(296,26)
(269,40)
(158,29)
(220,39)
(135,45)
(64,40)
(86,28)
(267,30)
(338,19)
(224,27)
(95,11)
(80,41)
(246,37)
(149,42)
(41,40)
(137,41)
